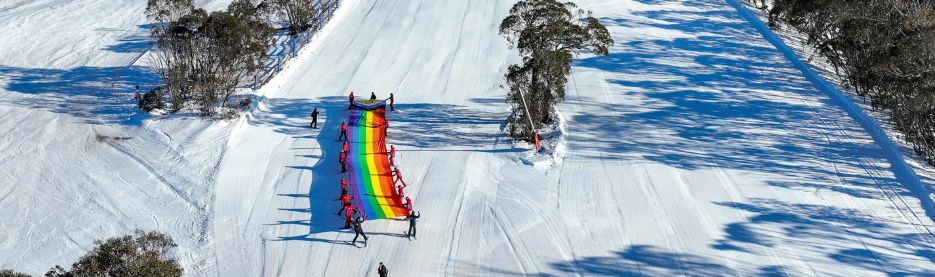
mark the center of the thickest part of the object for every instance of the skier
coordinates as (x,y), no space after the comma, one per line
(358,231)
(373,96)
(343,162)
(391,102)
(399,177)
(392,154)
(347,223)
(351,101)
(412,223)
(314,123)
(343,135)
(382,270)
(345,148)
(408,204)
(344,186)
(399,190)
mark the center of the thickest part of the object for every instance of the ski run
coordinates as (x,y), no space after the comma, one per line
(705,145)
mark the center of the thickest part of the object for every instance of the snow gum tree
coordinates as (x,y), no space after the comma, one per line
(548,35)
(143,254)
(202,57)
(886,51)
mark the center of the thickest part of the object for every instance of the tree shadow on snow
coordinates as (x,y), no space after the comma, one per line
(712,93)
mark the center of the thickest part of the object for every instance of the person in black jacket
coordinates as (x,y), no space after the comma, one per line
(412,223)
(358,231)
(314,123)
(373,96)
(382,270)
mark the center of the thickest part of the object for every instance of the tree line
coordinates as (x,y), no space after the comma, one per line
(203,57)
(885,49)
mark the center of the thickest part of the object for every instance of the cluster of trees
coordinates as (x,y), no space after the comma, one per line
(548,34)
(884,48)
(202,57)
(143,254)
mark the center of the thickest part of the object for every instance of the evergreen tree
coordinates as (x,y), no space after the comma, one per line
(548,34)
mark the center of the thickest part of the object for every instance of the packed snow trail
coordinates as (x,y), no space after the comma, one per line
(696,149)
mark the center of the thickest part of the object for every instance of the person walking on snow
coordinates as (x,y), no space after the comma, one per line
(314,123)
(351,98)
(358,231)
(343,162)
(391,102)
(343,135)
(373,96)
(399,177)
(382,270)
(412,223)
(391,155)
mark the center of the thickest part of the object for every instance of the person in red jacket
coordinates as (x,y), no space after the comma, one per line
(345,202)
(343,162)
(344,186)
(346,149)
(399,177)
(391,155)
(399,190)
(343,135)
(408,205)
(347,223)
(391,102)
(351,98)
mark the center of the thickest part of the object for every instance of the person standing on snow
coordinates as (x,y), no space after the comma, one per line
(344,186)
(343,135)
(343,162)
(382,270)
(358,231)
(345,202)
(351,98)
(345,149)
(391,155)
(399,177)
(412,223)
(314,123)
(373,96)
(391,102)
(347,223)
(408,204)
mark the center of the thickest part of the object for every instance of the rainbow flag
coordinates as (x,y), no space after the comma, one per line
(367,164)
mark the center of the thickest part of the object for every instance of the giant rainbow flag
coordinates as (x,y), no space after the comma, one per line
(367,164)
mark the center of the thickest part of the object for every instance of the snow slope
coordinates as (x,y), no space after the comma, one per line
(696,149)
(67,69)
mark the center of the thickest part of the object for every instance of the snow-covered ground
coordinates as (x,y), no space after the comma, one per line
(67,69)
(698,148)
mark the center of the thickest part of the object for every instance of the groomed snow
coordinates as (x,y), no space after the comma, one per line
(698,148)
